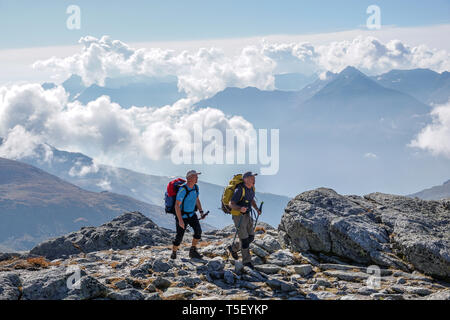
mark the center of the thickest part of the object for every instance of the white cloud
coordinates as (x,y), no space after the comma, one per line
(80,170)
(101,129)
(368,54)
(18,143)
(370,155)
(203,72)
(435,137)
(105,185)
(16,63)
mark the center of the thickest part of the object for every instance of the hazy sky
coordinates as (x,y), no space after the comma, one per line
(228,44)
(43,23)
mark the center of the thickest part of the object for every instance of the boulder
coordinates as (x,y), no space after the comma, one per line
(127,294)
(238,267)
(260,252)
(441,295)
(420,231)
(162,283)
(386,230)
(268,243)
(9,286)
(281,258)
(128,230)
(58,284)
(303,269)
(215,264)
(175,293)
(141,271)
(159,265)
(89,288)
(229,277)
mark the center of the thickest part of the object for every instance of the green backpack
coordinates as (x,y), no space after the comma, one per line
(229,191)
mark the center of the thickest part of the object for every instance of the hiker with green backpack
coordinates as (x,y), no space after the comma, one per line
(238,199)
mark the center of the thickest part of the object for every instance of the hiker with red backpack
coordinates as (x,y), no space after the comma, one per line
(238,199)
(182,200)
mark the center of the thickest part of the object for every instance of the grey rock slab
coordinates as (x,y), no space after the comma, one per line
(440,295)
(176,293)
(382,229)
(347,275)
(303,269)
(268,268)
(161,283)
(268,243)
(9,286)
(127,294)
(215,264)
(281,258)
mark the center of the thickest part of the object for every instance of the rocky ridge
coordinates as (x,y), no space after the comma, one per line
(135,270)
(386,230)
(126,231)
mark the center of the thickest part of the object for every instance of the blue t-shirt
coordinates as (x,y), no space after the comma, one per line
(190,200)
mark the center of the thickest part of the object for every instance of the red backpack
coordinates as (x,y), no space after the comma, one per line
(171,194)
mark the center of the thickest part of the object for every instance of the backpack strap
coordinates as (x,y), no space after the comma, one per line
(187,193)
(241,185)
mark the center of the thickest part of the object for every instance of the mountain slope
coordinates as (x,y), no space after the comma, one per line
(293,81)
(352,106)
(81,170)
(262,108)
(349,96)
(126,91)
(135,94)
(352,92)
(423,84)
(344,130)
(434,193)
(35,205)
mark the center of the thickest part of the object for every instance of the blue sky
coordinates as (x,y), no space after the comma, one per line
(43,23)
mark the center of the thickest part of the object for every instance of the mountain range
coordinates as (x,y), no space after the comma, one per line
(83,172)
(434,193)
(348,96)
(326,128)
(423,84)
(345,130)
(35,206)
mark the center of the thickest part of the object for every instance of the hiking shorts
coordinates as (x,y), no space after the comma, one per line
(191,221)
(246,227)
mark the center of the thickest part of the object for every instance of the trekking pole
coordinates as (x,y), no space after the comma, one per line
(204,215)
(260,209)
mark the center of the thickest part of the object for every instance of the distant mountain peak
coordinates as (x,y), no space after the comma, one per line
(348,80)
(434,193)
(329,74)
(351,71)
(74,79)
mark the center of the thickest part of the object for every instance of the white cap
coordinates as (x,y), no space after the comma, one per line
(191,172)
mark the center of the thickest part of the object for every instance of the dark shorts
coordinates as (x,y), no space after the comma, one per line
(195,225)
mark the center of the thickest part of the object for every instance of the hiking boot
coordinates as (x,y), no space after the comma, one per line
(233,253)
(193,253)
(173,255)
(250,265)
